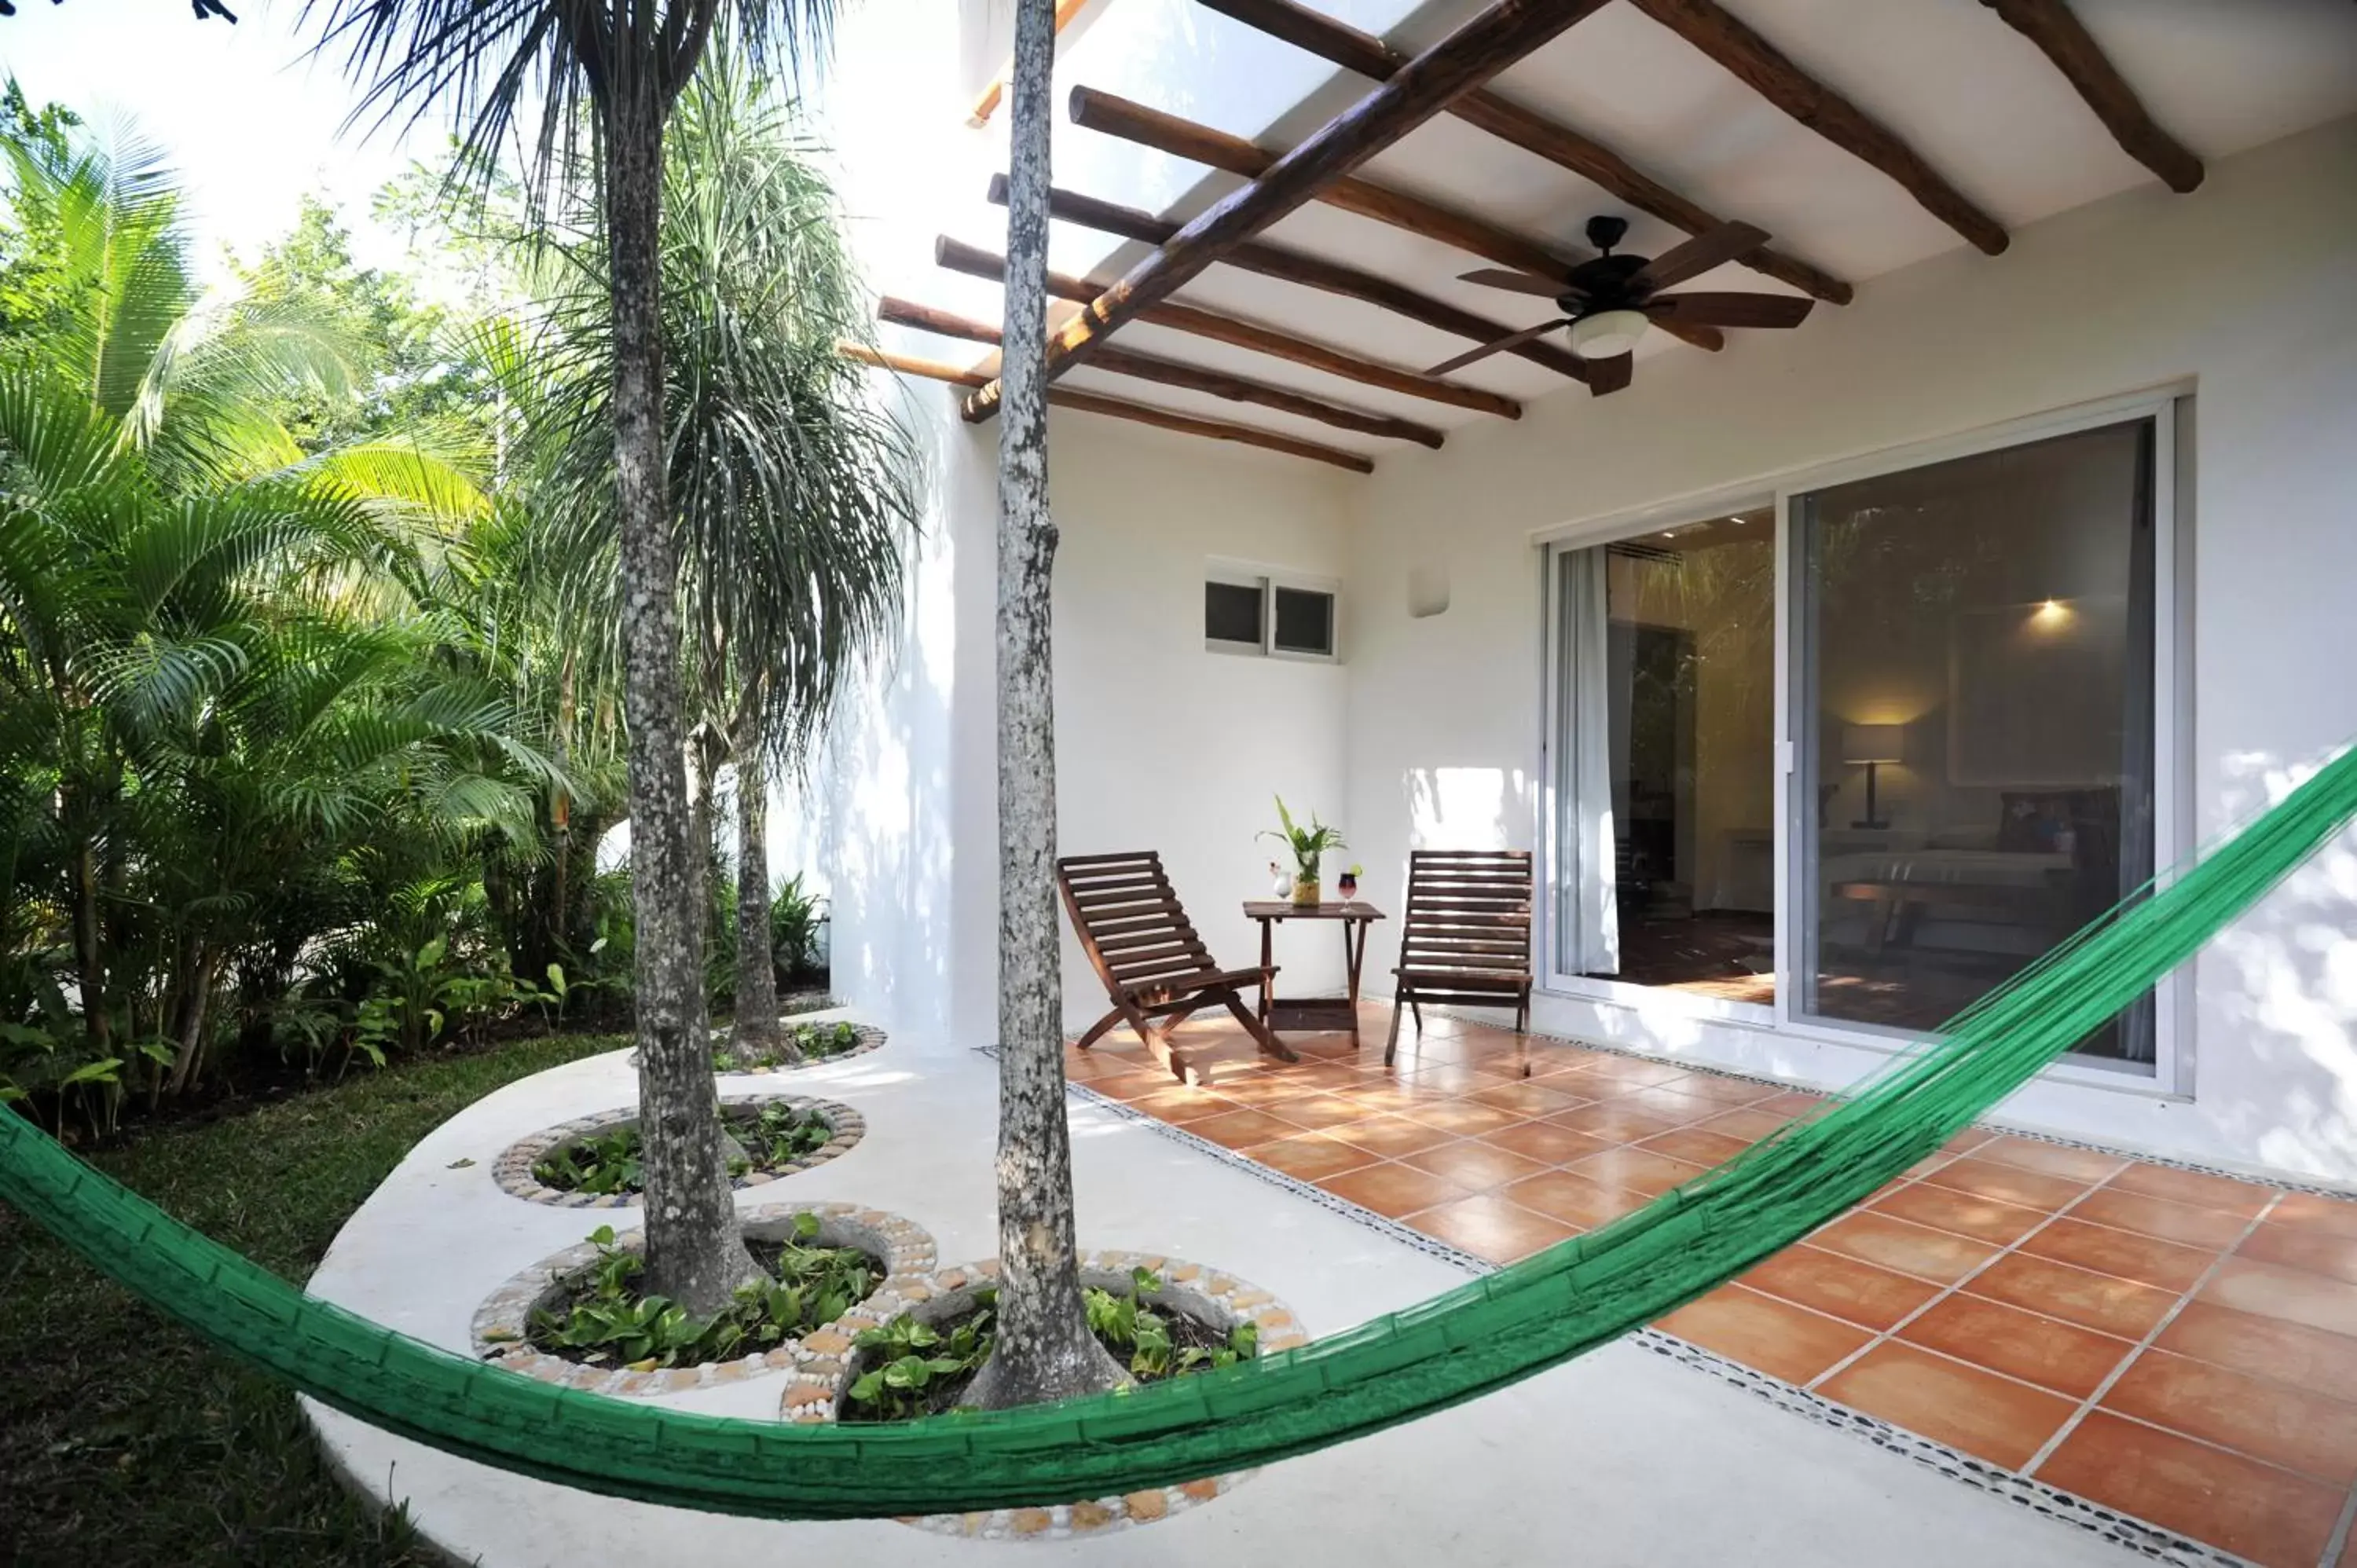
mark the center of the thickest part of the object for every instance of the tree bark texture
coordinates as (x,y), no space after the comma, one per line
(756,1029)
(1044,1349)
(695,1253)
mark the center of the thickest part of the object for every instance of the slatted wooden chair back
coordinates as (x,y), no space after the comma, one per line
(1465,935)
(1130,921)
(1154,967)
(1468,913)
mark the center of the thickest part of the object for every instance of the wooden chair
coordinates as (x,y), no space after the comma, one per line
(1147,955)
(1465,938)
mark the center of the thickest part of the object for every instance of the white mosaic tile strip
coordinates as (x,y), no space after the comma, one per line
(907,1249)
(513,1170)
(817,1384)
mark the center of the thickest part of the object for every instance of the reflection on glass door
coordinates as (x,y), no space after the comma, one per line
(1974,711)
(1666,750)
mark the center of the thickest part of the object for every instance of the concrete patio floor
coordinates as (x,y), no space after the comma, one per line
(1627,1456)
(2175,1345)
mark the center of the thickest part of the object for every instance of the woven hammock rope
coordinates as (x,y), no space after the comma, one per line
(1483,1336)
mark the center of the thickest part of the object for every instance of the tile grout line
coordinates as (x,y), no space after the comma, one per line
(2176,1309)
(2164,1545)
(1968,1277)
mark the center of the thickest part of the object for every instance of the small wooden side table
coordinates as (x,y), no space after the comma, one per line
(1313,1013)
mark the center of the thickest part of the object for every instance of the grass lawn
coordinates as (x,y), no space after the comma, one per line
(123,1440)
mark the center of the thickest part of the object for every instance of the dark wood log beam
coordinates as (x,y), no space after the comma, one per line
(2053,28)
(1310,271)
(975,261)
(1369,56)
(1118,408)
(1113,115)
(1134,122)
(1493,39)
(1764,68)
(1174,373)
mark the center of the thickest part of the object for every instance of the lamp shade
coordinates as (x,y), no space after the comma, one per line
(1608,334)
(1874,743)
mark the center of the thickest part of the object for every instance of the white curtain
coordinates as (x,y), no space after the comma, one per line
(1592,913)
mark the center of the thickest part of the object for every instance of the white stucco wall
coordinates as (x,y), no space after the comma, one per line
(1430,730)
(2246,289)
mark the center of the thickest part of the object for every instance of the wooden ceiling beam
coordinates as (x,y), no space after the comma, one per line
(1174,373)
(1114,115)
(1134,122)
(1310,271)
(1345,45)
(2054,28)
(1116,408)
(1491,40)
(975,261)
(1765,68)
(988,103)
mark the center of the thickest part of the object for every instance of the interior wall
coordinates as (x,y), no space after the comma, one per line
(2245,289)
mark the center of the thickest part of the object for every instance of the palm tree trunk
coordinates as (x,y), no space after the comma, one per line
(695,1253)
(757,1031)
(1044,1349)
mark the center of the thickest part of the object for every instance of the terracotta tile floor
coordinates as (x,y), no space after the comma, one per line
(2182,1348)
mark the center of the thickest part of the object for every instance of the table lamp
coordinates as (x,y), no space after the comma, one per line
(1872,745)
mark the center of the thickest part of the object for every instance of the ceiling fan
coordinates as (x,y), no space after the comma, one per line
(1607,302)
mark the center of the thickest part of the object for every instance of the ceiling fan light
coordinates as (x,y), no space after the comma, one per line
(1608,334)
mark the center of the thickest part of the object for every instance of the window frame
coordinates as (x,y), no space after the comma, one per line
(2173,411)
(1267,580)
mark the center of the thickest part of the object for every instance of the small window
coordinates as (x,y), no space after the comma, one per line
(1231,615)
(1304,622)
(1246,610)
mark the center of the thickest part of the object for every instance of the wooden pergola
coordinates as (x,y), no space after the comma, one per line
(1450,77)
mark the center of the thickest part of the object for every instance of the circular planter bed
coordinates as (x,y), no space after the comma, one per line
(584,1163)
(819,1043)
(898,1254)
(1201,1310)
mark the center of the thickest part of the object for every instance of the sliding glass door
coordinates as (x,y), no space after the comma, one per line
(1974,707)
(1849,761)
(1667,774)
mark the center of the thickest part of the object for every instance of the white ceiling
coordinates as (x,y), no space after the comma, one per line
(1976,98)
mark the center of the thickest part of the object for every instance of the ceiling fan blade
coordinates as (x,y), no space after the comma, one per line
(1707,309)
(1521,282)
(1699,254)
(1608,375)
(1710,338)
(1513,341)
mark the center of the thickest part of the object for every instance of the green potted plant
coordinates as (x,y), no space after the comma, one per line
(1309,846)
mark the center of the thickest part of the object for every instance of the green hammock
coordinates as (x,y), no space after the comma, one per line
(1483,1336)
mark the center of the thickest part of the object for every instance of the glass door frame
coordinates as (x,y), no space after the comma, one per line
(2170,408)
(1613,529)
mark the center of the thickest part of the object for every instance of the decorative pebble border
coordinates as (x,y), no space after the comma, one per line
(2146,1539)
(819,1381)
(513,1169)
(871,1039)
(906,1247)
